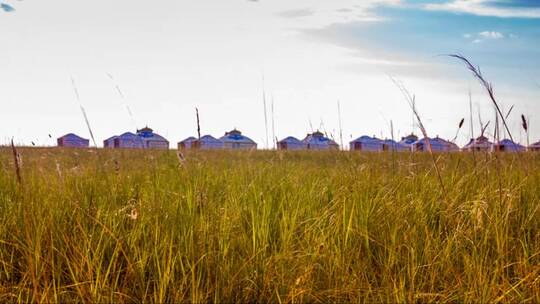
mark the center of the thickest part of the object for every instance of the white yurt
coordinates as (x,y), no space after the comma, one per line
(207,142)
(152,140)
(367,143)
(507,145)
(109,142)
(128,140)
(187,143)
(481,143)
(145,138)
(317,141)
(437,145)
(72,141)
(236,141)
(409,140)
(392,145)
(291,143)
(535,147)
(450,146)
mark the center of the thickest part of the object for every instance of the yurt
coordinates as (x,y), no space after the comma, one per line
(437,145)
(291,143)
(145,138)
(317,141)
(109,142)
(187,143)
(207,142)
(236,141)
(450,146)
(73,141)
(128,140)
(367,143)
(506,145)
(152,140)
(409,140)
(481,143)
(535,147)
(391,145)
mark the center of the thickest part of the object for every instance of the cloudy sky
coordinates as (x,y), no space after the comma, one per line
(170,56)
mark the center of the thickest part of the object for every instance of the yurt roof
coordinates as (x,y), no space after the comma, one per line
(448,142)
(236,136)
(508,142)
(291,139)
(209,138)
(73,136)
(317,134)
(482,138)
(156,136)
(145,129)
(394,143)
(368,139)
(432,141)
(411,136)
(128,135)
(535,145)
(319,138)
(233,132)
(478,142)
(409,139)
(189,139)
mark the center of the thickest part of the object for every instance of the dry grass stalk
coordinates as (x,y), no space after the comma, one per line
(484,128)
(58,170)
(393,148)
(461,122)
(489,89)
(181,158)
(265,114)
(17,161)
(525,125)
(88,125)
(471,114)
(412,103)
(273,124)
(340,126)
(509,112)
(122,96)
(198,124)
(524,122)
(83,111)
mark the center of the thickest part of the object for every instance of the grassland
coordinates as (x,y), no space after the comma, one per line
(147,226)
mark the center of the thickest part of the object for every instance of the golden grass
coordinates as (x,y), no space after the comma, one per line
(136,226)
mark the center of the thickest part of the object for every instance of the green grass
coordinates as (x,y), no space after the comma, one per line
(140,226)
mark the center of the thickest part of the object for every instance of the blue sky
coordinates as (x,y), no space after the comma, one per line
(504,45)
(173,56)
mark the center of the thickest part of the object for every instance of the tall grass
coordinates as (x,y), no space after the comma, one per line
(134,226)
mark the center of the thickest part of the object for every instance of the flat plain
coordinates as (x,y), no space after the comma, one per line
(91,225)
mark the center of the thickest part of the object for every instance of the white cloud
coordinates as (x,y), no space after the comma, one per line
(485,35)
(483,8)
(491,35)
(308,14)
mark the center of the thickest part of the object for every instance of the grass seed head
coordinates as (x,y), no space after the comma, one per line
(524,122)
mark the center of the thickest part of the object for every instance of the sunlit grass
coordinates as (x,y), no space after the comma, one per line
(141,226)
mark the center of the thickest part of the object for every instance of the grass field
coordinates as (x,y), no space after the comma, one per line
(146,226)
